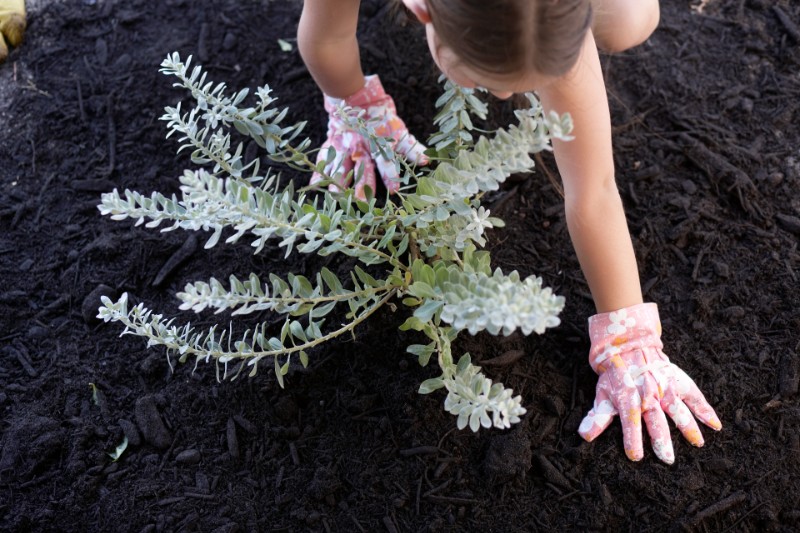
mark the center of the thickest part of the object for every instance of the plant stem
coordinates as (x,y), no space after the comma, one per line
(157,339)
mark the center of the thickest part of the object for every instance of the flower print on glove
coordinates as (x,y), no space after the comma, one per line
(638,381)
(352,150)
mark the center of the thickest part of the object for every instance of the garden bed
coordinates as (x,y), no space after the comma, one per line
(706,148)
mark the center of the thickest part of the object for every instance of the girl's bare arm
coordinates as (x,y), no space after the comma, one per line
(326,38)
(594,211)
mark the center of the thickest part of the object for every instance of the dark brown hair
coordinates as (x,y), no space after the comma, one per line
(511,36)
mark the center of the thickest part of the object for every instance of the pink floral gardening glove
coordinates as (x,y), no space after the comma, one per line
(637,379)
(353,150)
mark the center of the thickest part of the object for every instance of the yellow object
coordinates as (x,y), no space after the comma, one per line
(12,25)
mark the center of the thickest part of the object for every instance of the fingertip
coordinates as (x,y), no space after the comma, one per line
(634,447)
(392,185)
(664,451)
(694,437)
(634,455)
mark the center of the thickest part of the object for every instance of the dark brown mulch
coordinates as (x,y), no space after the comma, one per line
(705,117)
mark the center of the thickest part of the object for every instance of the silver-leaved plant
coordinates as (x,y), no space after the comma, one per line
(425,238)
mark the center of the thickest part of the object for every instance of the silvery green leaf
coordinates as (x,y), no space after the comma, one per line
(412,322)
(430,385)
(422,351)
(296,330)
(421,289)
(241,95)
(322,310)
(275,344)
(212,241)
(254,370)
(118,451)
(426,311)
(278,372)
(333,283)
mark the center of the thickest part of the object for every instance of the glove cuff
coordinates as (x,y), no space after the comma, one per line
(637,326)
(371,94)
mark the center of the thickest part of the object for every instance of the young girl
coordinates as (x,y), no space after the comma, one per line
(551,47)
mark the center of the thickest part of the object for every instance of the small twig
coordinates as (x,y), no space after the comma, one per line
(80,100)
(294,454)
(547,172)
(745,515)
(498,204)
(112,135)
(570,494)
(357,523)
(208,497)
(439,444)
(188,249)
(508,358)
(697,263)
(419,492)
(790,27)
(419,450)
(721,506)
(438,488)
(33,157)
(40,479)
(23,359)
(170,501)
(718,169)
(452,500)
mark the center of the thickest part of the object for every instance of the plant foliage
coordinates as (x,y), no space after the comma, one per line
(426,240)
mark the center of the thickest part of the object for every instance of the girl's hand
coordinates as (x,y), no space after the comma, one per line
(637,379)
(353,150)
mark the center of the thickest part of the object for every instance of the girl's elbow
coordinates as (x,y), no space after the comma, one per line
(634,26)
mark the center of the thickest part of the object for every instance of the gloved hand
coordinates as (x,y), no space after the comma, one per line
(12,24)
(637,379)
(353,150)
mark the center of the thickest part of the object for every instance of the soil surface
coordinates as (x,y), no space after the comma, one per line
(706,140)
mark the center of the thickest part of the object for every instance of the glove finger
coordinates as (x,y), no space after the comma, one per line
(404,143)
(694,399)
(340,172)
(411,148)
(364,173)
(333,166)
(630,414)
(684,421)
(599,417)
(389,173)
(660,438)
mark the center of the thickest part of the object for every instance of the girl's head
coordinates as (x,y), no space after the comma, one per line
(505,46)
